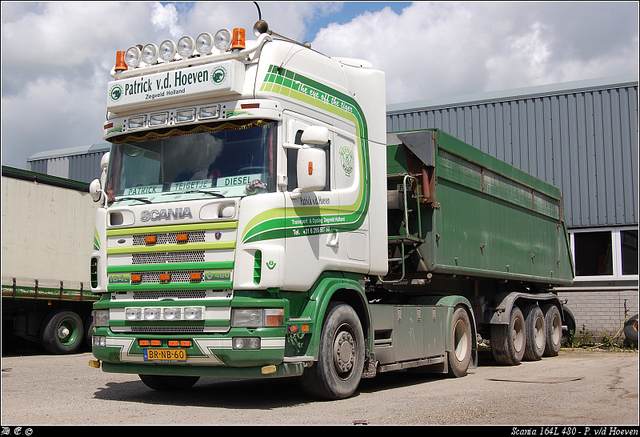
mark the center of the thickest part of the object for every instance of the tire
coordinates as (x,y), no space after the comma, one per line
(169,383)
(62,332)
(553,323)
(88,336)
(338,371)
(536,333)
(508,342)
(461,336)
(631,331)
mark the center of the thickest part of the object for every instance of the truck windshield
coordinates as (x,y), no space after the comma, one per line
(228,159)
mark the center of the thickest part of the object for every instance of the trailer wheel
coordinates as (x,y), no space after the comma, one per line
(338,371)
(631,331)
(169,383)
(62,332)
(536,334)
(553,323)
(508,341)
(461,335)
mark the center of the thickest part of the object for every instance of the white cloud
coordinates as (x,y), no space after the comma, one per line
(56,57)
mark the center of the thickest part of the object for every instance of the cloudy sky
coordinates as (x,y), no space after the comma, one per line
(56,57)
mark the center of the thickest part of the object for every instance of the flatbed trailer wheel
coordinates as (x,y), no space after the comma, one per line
(553,324)
(461,336)
(169,383)
(508,341)
(338,371)
(536,334)
(62,332)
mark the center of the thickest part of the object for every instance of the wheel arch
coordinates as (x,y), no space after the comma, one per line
(343,289)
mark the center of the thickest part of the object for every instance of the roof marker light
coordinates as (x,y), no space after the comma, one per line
(222,40)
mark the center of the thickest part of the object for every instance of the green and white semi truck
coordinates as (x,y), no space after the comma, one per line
(257,221)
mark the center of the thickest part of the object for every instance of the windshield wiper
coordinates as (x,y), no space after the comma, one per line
(212,193)
(141,199)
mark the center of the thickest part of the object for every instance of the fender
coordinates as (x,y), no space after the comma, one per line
(342,287)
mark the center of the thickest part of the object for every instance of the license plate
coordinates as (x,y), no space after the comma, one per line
(165,354)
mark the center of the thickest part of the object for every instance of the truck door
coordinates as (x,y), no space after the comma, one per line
(312,245)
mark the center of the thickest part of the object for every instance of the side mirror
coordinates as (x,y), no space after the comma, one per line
(311,170)
(315,135)
(95,190)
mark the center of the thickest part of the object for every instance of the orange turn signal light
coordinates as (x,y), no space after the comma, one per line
(150,239)
(195,276)
(136,277)
(165,277)
(182,238)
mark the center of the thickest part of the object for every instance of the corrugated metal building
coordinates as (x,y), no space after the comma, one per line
(583,138)
(77,163)
(580,136)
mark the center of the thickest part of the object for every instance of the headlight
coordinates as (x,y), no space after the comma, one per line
(222,39)
(100,318)
(150,53)
(257,317)
(132,57)
(167,50)
(186,46)
(204,43)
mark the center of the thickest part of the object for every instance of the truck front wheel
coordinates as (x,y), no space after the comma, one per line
(461,336)
(338,371)
(62,332)
(508,342)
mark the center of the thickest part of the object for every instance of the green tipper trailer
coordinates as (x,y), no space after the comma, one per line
(477,227)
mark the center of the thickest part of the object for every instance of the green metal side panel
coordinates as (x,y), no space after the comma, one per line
(489,219)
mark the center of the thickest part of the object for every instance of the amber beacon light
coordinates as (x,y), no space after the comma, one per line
(120,64)
(237,41)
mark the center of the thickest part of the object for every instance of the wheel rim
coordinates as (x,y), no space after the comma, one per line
(460,340)
(67,332)
(538,329)
(518,335)
(556,332)
(344,351)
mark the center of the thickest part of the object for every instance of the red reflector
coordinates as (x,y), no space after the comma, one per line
(250,105)
(310,168)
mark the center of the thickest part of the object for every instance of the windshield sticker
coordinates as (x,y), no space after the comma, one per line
(149,189)
(191,185)
(235,181)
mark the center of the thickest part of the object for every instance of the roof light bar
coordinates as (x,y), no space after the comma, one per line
(167,50)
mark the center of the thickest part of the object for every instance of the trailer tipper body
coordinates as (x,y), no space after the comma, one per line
(257,221)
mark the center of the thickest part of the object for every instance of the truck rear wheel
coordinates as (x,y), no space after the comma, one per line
(338,371)
(508,341)
(169,383)
(461,336)
(536,334)
(553,323)
(62,332)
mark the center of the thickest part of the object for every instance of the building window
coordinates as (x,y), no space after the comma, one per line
(629,246)
(605,254)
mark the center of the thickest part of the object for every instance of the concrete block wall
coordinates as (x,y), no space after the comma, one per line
(601,312)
